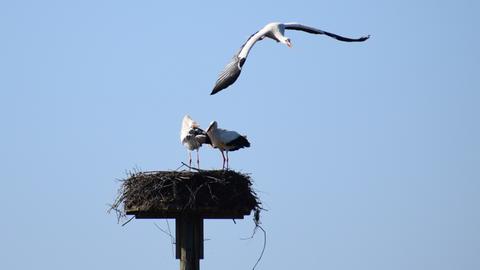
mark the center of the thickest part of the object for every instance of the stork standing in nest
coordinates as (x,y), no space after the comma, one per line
(226,140)
(192,137)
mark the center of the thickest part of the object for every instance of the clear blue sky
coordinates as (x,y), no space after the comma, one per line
(367,156)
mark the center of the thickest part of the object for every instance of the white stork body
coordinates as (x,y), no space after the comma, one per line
(192,137)
(226,140)
(276,32)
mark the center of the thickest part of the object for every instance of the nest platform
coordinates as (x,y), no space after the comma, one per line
(207,194)
(188,197)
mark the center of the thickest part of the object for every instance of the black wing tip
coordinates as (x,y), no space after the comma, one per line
(245,142)
(364,38)
(239,143)
(222,85)
(215,90)
(242,141)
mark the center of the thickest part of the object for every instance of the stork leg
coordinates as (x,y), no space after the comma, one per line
(223,156)
(189,159)
(198,160)
(227,160)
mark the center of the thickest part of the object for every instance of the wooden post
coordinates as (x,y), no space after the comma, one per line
(168,194)
(189,241)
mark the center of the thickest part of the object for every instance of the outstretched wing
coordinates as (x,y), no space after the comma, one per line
(312,30)
(229,74)
(233,69)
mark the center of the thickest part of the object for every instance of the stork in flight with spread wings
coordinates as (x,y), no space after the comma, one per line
(276,32)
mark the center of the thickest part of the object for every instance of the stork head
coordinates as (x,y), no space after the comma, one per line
(212,126)
(287,42)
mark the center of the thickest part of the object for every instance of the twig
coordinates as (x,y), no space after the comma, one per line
(183,164)
(162,230)
(128,221)
(173,239)
(192,168)
(147,172)
(257,225)
(169,233)
(264,245)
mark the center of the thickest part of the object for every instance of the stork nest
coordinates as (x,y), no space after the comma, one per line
(172,193)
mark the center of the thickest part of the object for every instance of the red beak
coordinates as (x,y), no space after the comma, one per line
(289,44)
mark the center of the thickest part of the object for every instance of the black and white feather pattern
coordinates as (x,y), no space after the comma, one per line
(238,143)
(312,30)
(195,138)
(273,31)
(226,140)
(229,74)
(232,71)
(191,135)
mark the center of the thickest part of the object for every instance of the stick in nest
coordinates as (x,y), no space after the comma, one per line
(191,168)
